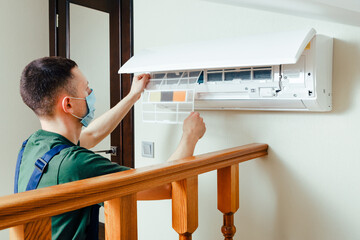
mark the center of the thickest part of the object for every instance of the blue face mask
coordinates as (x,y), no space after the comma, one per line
(90,103)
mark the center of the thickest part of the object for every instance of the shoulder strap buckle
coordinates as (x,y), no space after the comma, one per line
(40,164)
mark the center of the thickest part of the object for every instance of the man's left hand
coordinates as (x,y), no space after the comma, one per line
(139,84)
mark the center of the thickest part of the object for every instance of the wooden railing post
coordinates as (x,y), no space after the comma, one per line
(185,207)
(38,230)
(228,197)
(121,218)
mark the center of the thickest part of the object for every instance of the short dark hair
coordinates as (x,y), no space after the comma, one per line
(41,81)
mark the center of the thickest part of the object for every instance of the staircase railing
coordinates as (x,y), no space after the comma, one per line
(28,214)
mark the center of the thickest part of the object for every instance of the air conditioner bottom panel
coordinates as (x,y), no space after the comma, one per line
(252,104)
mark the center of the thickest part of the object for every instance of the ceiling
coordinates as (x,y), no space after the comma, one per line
(340,11)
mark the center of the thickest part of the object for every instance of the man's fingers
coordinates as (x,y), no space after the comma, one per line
(146,76)
(194,113)
(140,76)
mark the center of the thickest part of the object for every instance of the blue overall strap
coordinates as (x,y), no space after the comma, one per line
(18,163)
(40,166)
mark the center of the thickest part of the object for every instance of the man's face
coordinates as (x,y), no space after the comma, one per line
(82,90)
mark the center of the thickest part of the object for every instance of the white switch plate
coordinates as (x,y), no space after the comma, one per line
(147,149)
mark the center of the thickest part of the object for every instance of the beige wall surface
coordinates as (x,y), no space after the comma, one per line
(308,186)
(24,36)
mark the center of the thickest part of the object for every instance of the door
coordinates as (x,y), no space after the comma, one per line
(116,18)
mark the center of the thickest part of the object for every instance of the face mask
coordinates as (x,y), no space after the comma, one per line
(90,103)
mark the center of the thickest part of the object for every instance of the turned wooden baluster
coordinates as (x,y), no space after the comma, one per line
(185,207)
(121,218)
(228,197)
(38,230)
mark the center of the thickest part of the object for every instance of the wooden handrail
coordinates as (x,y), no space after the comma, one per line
(38,204)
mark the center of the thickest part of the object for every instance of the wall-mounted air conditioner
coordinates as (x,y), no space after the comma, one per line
(288,71)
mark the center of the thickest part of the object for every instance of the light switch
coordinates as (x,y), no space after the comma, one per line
(147,149)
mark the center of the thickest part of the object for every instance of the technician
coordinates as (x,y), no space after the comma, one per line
(60,96)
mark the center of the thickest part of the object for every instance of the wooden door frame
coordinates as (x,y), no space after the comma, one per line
(121,49)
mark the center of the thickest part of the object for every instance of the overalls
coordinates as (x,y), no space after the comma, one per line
(40,166)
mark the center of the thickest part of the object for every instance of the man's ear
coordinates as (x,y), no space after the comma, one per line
(66,105)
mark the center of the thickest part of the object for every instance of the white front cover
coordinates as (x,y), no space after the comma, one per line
(257,50)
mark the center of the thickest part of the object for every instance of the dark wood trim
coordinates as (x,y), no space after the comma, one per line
(63,28)
(52,27)
(121,34)
(127,44)
(115,78)
(121,49)
(101,5)
(101,231)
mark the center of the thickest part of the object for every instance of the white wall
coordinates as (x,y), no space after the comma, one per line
(24,36)
(308,186)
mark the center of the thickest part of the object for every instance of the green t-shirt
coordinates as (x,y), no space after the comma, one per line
(71,164)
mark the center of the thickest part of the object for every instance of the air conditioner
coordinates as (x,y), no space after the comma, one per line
(286,71)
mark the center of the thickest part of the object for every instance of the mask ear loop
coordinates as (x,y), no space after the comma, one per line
(63,105)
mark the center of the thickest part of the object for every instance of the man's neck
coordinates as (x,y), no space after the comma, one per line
(69,129)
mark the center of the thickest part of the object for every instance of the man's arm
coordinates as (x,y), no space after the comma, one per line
(106,123)
(193,129)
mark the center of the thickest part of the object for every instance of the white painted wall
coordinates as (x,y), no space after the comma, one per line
(307,188)
(24,37)
(340,11)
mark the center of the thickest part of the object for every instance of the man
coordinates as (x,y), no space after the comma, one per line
(59,94)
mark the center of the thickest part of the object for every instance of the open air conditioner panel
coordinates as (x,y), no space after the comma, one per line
(257,50)
(288,71)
